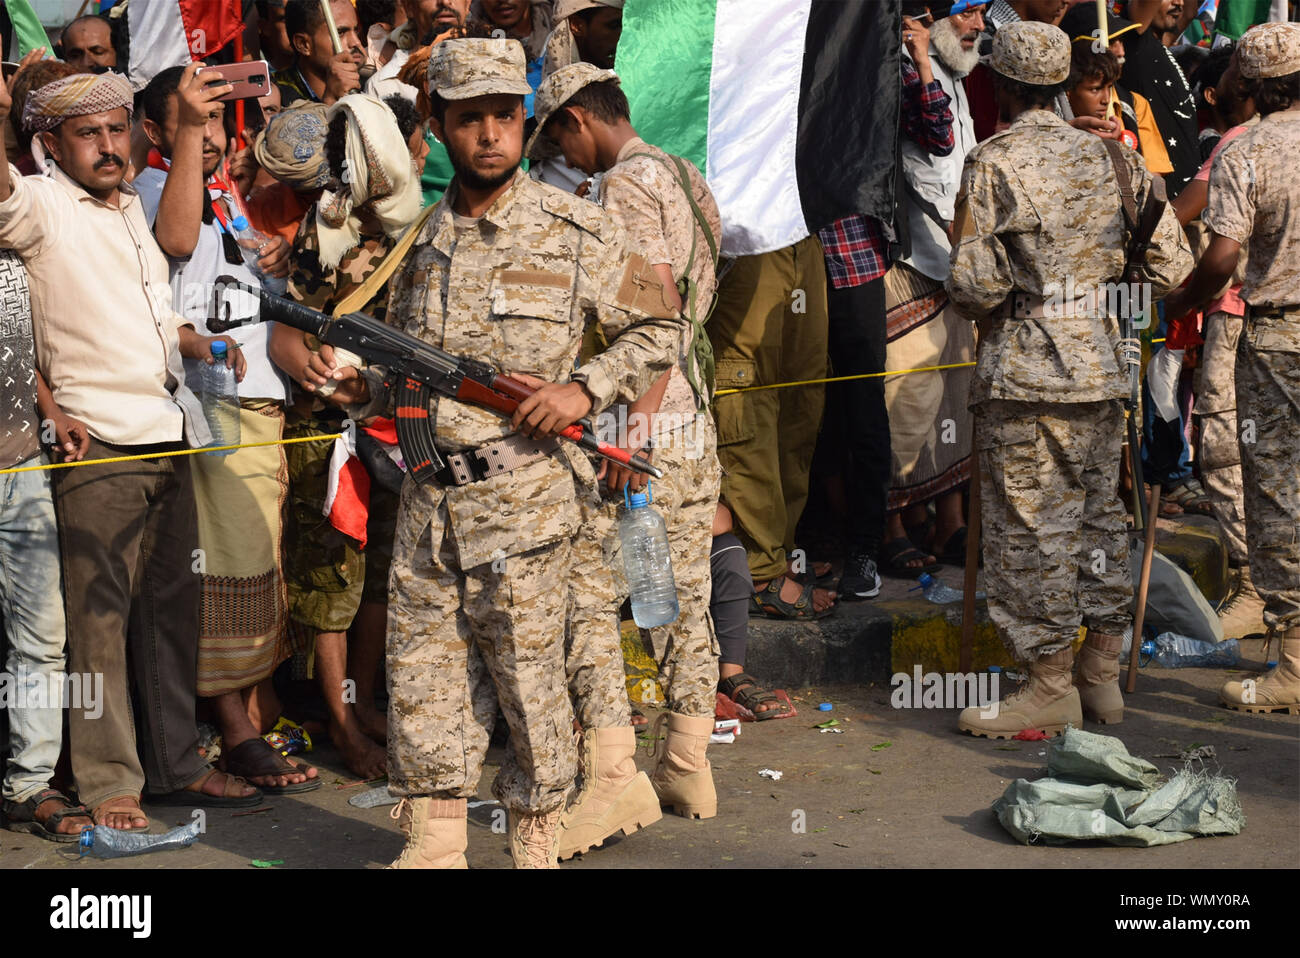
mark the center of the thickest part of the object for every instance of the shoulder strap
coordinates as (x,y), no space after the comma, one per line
(678,169)
(367,291)
(1126,196)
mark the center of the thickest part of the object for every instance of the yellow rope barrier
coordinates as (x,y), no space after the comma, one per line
(335,435)
(165,455)
(845,379)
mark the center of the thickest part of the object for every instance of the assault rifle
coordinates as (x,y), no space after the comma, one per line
(416,370)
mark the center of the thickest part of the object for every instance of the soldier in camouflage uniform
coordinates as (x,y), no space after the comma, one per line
(1254,195)
(508,271)
(582,110)
(1040,206)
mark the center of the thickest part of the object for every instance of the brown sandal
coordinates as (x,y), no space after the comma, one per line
(21,816)
(255,758)
(196,797)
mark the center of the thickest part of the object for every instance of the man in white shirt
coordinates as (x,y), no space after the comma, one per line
(110,346)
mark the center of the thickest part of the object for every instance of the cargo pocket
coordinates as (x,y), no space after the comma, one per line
(1007,448)
(1273,333)
(733,414)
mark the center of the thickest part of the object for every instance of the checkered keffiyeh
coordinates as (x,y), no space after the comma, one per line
(78,95)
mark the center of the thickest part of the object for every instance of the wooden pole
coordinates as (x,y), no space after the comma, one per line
(334,30)
(1144,580)
(966,654)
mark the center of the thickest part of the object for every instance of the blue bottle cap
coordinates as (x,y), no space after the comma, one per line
(995,668)
(638,500)
(239,223)
(219,349)
(925,579)
(825,707)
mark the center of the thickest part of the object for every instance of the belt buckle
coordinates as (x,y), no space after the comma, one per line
(476,464)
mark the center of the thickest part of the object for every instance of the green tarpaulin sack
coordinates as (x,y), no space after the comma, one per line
(1096,791)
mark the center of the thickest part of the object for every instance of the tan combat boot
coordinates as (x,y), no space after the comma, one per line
(534,839)
(614,797)
(1278,689)
(1097,678)
(1243,614)
(683,778)
(435,830)
(1048,701)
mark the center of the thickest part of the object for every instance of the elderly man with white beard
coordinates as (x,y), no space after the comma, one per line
(930,427)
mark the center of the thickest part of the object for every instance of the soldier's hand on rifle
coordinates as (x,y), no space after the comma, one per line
(321,368)
(551,409)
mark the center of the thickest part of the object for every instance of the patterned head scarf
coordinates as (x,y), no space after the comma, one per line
(292,147)
(77,95)
(378,173)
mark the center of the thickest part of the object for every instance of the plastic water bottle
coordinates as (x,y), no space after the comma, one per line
(936,591)
(220,398)
(647,562)
(251,242)
(1175,651)
(104,842)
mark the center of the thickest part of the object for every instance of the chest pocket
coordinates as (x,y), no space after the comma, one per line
(531,310)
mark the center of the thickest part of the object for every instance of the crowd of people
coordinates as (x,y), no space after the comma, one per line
(469,173)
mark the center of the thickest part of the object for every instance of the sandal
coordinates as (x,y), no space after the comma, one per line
(768,604)
(896,553)
(743,689)
(21,816)
(821,580)
(116,805)
(1191,496)
(256,758)
(953,552)
(196,797)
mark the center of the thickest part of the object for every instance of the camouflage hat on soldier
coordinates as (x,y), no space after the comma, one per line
(1030,52)
(1270,50)
(462,69)
(558,88)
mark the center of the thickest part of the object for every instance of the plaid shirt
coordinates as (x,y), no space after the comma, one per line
(856,248)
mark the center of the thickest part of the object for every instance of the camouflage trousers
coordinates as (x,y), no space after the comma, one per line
(462,642)
(686,649)
(1216,408)
(1268,380)
(1055,544)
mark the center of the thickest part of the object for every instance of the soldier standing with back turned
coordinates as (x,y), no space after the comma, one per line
(1041,206)
(1255,196)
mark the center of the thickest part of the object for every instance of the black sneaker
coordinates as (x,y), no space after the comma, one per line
(860,579)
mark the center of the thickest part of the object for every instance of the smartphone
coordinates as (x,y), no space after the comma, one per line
(250,80)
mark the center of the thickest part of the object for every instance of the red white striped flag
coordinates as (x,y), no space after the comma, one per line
(168,33)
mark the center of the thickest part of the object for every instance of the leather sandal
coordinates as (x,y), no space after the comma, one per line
(256,758)
(194,798)
(744,690)
(768,604)
(21,816)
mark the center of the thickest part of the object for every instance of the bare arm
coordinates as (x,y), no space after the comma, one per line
(180,208)
(1191,201)
(1211,273)
(6,102)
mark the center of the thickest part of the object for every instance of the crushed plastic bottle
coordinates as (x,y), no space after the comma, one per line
(104,842)
(1173,651)
(938,593)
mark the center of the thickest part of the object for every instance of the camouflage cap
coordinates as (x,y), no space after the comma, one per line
(461,69)
(1030,52)
(1270,50)
(567,8)
(556,90)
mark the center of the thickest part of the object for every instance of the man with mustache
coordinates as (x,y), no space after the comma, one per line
(426,21)
(110,345)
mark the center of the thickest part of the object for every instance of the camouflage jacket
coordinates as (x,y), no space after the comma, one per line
(1040,213)
(1255,196)
(516,289)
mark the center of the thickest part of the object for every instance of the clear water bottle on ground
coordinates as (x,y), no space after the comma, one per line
(104,842)
(1175,651)
(938,593)
(220,398)
(251,242)
(647,562)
